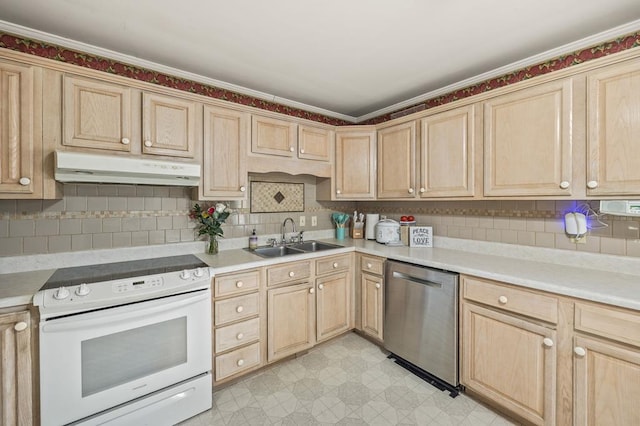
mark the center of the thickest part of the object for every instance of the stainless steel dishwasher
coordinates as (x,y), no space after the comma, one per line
(421,321)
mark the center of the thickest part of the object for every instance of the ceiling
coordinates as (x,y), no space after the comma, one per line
(349,58)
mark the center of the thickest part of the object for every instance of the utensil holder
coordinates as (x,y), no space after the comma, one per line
(339,233)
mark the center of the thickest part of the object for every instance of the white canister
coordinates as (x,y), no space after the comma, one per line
(388,231)
(370,226)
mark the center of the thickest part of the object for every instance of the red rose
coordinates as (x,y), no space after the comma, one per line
(211,210)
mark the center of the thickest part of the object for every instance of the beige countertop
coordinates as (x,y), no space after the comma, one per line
(606,279)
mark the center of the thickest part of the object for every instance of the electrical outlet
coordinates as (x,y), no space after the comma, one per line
(303,221)
(314,220)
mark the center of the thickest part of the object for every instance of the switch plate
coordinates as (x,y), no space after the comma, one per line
(314,220)
(303,221)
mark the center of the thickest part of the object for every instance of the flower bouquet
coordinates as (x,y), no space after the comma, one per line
(210,222)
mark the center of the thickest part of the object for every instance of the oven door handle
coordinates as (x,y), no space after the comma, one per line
(124,314)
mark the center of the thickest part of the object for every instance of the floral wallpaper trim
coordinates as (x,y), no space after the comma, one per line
(574,58)
(85,60)
(58,53)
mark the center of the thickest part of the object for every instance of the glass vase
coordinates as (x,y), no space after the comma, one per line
(212,247)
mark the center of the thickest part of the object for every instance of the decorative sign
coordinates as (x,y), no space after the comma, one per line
(420,236)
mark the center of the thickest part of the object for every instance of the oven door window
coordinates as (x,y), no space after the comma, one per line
(118,358)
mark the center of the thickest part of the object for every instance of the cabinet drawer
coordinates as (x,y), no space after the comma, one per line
(237,361)
(227,285)
(288,273)
(236,335)
(511,299)
(333,264)
(611,323)
(237,308)
(372,265)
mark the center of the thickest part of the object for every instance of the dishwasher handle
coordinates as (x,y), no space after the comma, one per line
(417,280)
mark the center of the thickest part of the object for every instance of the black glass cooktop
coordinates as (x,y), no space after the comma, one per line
(119,270)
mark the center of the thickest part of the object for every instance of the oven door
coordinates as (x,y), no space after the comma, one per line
(94,361)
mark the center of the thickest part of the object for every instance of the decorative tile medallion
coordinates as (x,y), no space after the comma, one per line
(277,197)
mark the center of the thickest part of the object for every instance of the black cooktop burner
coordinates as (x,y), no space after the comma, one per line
(118,270)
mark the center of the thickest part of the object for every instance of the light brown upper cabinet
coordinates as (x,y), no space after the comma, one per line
(397,161)
(355,165)
(314,143)
(273,137)
(613,140)
(169,125)
(528,142)
(97,114)
(20,131)
(447,154)
(224,159)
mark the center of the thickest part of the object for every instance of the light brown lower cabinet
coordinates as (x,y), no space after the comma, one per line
(333,305)
(372,293)
(16,391)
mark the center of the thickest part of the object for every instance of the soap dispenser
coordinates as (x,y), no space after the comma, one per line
(253,241)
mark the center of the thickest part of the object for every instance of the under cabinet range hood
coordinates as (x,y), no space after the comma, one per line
(81,167)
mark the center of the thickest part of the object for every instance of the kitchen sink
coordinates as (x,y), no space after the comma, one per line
(294,248)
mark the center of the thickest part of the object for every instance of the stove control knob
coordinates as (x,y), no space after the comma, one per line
(61,293)
(199,272)
(83,290)
(185,275)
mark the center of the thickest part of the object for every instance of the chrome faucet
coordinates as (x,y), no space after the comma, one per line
(284,225)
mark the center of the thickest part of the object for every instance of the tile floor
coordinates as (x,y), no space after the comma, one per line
(347,381)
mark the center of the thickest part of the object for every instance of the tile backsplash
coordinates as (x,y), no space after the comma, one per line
(93,216)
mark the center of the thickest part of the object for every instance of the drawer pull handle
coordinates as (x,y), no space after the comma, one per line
(292,274)
(547,342)
(24,181)
(410,190)
(592,184)
(335,265)
(338,192)
(239,336)
(302,151)
(320,286)
(377,285)
(239,284)
(148,144)
(240,362)
(239,309)
(311,291)
(243,189)
(291,149)
(579,351)
(422,190)
(503,300)
(20,326)
(369,266)
(564,184)
(125,141)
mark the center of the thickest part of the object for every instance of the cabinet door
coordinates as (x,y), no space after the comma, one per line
(511,362)
(396,161)
(16,390)
(372,295)
(96,115)
(355,165)
(314,143)
(224,165)
(614,129)
(20,168)
(447,143)
(169,126)
(291,320)
(527,142)
(333,305)
(273,137)
(607,384)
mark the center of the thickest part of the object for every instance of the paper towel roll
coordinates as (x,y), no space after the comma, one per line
(370,226)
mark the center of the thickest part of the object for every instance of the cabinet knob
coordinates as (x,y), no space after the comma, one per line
(24,181)
(338,191)
(422,190)
(239,309)
(335,265)
(240,362)
(239,336)
(302,151)
(579,351)
(239,284)
(243,189)
(148,143)
(410,190)
(564,184)
(592,184)
(125,141)
(320,286)
(547,342)
(292,274)
(369,265)
(503,300)
(20,326)
(291,149)
(311,291)
(377,285)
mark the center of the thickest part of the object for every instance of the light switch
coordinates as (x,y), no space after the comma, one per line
(303,221)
